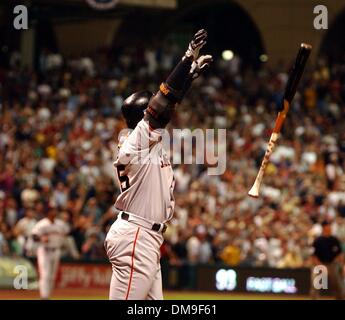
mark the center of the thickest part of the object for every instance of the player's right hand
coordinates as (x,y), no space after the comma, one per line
(198,41)
(200,65)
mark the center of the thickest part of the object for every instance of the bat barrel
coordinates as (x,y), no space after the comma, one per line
(297,71)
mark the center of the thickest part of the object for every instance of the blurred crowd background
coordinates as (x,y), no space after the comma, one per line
(58,135)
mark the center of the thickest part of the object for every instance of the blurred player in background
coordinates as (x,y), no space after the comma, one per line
(147,182)
(50,233)
(23,230)
(328,252)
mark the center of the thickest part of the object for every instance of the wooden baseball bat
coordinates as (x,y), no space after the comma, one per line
(290,90)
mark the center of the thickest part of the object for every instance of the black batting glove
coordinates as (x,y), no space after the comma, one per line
(198,41)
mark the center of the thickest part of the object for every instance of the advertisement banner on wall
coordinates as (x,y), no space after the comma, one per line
(207,278)
(254,280)
(17,271)
(78,275)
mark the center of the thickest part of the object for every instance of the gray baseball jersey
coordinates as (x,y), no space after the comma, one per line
(145,175)
(55,231)
(48,254)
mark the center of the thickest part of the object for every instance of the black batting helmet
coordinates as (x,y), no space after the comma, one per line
(134,106)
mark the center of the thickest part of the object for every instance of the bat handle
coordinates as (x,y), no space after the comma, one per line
(254,191)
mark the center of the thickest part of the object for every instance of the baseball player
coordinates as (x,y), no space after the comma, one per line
(49,233)
(146,180)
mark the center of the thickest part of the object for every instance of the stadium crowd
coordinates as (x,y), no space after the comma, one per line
(59,129)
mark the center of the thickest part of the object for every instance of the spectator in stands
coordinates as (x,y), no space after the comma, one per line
(4,234)
(198,247)
(231,255)
(3,244)
(291,258)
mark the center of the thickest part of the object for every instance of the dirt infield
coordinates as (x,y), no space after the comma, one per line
(64,294)
(102,294)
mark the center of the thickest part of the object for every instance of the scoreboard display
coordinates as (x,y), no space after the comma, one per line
(253,280)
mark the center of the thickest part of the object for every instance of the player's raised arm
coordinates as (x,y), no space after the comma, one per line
(162,105)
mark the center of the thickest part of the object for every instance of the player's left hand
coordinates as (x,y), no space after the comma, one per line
(198,41)
(200,65)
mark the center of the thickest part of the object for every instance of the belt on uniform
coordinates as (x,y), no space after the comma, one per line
(158,227)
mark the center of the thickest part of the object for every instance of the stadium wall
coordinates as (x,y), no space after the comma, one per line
(290,22)
(213,277)
(218,278)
